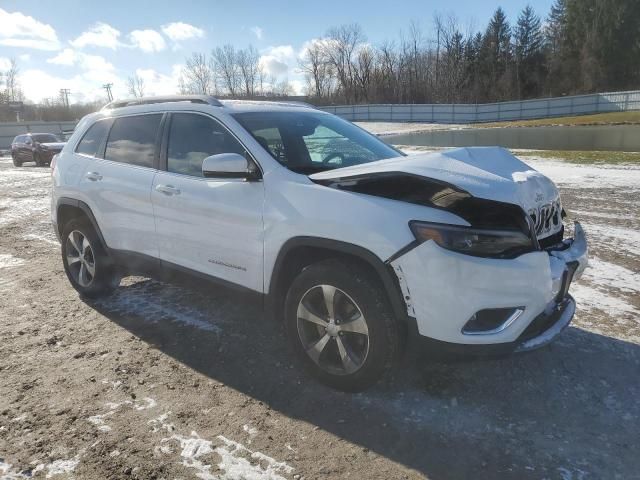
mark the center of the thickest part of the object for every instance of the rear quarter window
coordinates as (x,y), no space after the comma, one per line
(93,139)
(132,140)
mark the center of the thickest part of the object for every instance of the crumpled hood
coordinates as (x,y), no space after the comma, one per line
(54,145)
(492,173)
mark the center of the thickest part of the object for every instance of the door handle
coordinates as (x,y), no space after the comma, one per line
(168,189)
(93,176)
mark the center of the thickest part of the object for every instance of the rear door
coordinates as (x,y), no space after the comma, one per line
(213,226)
(119,184)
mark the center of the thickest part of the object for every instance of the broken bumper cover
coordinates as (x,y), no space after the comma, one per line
(444,290)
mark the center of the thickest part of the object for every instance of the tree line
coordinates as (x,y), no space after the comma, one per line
(584,46)
(581,46)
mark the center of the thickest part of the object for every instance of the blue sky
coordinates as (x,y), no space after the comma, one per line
(82,44)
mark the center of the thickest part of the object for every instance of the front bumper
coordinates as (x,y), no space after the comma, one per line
(444,289)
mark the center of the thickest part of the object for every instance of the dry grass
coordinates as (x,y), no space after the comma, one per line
(584,156)
(613,118)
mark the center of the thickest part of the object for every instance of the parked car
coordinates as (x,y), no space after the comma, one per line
(35,147)
(354,245)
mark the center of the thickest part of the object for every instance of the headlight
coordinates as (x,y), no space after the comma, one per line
(476,242)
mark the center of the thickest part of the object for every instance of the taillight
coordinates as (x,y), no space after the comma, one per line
(54,160)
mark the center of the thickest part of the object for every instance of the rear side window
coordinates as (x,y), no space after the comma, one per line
(133,140)
(93,139)
(192,138)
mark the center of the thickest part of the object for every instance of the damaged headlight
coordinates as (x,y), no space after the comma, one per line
(477,242)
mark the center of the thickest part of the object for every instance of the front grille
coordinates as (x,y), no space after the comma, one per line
(547,219)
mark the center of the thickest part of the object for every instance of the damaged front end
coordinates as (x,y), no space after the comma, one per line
(503,278)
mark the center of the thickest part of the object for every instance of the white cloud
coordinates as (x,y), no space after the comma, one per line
(65,57)
(19,30)
(70,57)
(99,35)
(257,31)
(25,57)
(5,64)
(178,31)
(277,60)
(147,40)
(156,83)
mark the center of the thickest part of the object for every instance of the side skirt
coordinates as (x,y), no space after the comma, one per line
(132,263)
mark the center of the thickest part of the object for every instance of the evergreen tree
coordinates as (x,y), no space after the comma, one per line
(529,55)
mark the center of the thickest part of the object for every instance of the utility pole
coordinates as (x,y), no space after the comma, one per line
(64,94)
(107,87)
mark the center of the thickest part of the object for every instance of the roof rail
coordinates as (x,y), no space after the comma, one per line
(205,99)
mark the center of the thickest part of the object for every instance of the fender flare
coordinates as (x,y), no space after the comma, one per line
(384,271)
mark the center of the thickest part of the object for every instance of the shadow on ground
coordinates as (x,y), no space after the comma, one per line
(567,411)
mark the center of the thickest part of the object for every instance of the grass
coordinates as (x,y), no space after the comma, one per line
(584,156)
(613,118)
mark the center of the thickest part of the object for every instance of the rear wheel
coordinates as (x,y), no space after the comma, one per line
(86,263)
(340,325)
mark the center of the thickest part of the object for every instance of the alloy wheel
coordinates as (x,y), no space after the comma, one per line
(333,330)
(80,258)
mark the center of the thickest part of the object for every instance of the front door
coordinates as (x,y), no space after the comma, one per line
(212,226)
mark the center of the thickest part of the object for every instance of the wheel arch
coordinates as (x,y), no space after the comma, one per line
(300,252)
(70,208)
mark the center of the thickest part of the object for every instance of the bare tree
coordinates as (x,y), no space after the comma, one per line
(339,50)
(316,68)
(13,92)
(197,75)
(248,61)
(136,86)
(226,65)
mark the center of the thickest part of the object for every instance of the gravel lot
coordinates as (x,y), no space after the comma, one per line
(161,382)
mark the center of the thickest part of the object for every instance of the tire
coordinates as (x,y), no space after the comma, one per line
(92,274)
(354,356)
(16,162)
(38,159)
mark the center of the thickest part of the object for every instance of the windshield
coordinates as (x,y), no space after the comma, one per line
(310,142)
(45,138)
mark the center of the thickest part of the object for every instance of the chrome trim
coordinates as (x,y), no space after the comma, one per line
(506,324)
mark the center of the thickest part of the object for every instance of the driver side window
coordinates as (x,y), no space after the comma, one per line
(192,138)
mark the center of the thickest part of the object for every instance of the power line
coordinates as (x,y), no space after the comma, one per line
(107,87)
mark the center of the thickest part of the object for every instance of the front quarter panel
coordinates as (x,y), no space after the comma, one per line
(295,206)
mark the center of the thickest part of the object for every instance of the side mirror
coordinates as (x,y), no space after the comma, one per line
(230,165)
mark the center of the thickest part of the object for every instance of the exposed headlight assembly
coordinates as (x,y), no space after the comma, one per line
(472,241)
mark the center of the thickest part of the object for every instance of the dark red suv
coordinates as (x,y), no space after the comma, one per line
(35,147)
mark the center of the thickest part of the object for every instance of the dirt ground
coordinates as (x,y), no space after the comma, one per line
(161,382)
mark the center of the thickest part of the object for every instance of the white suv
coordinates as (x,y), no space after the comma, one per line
(356,246)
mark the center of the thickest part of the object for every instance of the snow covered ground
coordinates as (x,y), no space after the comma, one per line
(397,128)
(163,381)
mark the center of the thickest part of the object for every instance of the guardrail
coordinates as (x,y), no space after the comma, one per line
(491,112)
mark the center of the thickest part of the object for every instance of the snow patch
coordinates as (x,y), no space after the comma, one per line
(571,175)
(154,302)
(609,275)
(99,420)
(236,460)
(589,298)
(9,261)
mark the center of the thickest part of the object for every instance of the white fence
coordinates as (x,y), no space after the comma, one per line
(491,112)
(8,131)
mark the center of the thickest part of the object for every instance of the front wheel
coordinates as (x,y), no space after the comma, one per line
(86,263)
(340,325)
(38,159)
(16,162)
